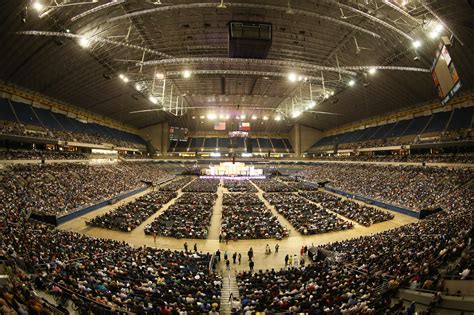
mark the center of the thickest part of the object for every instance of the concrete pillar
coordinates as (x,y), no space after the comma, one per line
(297,140)
(165,140)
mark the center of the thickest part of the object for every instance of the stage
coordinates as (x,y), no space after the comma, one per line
(230,170)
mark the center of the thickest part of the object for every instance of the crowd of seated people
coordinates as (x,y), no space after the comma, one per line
(411,253)
(40,155)
(136,156)
(239,186)
(461,158)
(249,220)
(363,215)
(176,184)
(407,186)
(272,185)
(307,218)
(189,217)
(203,185)
(17,129)
(137,280)
(60,188)
(129,216)
(298,183)
(241,199)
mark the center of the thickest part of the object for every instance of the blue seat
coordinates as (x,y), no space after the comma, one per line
(461,119)
(438,122)
(6,112)
(210,143)
(25,114)
(417,126)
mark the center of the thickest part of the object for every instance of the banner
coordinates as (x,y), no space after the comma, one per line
(244,126)
(219,125)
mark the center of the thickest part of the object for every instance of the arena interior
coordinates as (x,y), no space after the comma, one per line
(236,157)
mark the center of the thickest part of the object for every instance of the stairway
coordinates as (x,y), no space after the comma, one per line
(229,285)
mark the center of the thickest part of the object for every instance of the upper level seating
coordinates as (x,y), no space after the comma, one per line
(210,143)
(6,112)
(60,126)
(401,132)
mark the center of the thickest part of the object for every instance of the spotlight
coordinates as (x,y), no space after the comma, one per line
(372,71)
(312,104)
(38,6)
(153,99)
(265,117)
(296,113)
(221,116)
(351,83)
(202,117)
(123,78)
(254,117)
(416,43)
(84,42)
(227,116)
(211,116)
(160,76)
(138,87)
(292,77)
(243,116)
(186,74)
(277,117)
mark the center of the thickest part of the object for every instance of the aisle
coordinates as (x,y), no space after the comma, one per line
(215,225)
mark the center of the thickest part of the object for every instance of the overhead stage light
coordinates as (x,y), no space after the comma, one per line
(351,83)
(160,76)
(277,117)
(296,113)
(84,42)
(38,6)
(254,117)
(211,116)
(186,74)
(243,116)
(372,71)
(265,117)
(416,43)
(153,99)
(292,77)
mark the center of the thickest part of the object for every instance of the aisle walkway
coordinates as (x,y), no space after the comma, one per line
(215,225)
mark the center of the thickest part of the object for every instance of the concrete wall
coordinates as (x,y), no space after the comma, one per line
(303,137)
(158,136)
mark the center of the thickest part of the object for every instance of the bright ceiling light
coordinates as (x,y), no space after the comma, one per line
(186,74)
(221,116)
(254,117)
(38,6)
(160,76)
(416,43)
(202,117)
(296,113)
(292,77)
(312,104)
(211,116)
(277,117)
(372,71)
(439,27)
(227,116)
(84,42)
(265,117)
(243,116)
(351,83)
(153,99)
(123,78)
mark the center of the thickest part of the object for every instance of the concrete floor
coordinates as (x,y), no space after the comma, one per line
(290,245)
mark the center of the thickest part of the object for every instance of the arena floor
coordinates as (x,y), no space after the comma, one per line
(290,245)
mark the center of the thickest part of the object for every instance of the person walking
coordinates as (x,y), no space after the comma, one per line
(290,261)
(186,247)
(251,265)
(286,260)
(195,247)
(234,257)
(302,251)
(225,255)
(239,257)
(218,254)
(276,248)
(154,238)
(227,264)
(250,253)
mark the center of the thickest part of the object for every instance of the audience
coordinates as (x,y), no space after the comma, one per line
(307,218)
(249,219)
(129,216)
(61,188)
(176,184)
(406,186)
(363,215)
(203,185)
(40,155)
(239,186)
(460,158)
(271,185)
(189,217)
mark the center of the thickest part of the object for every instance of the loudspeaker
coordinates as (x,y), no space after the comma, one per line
(249,147)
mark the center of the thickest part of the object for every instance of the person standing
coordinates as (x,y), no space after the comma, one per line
(186,247)
(225,255)
(239,257)
(218,254)
(154,238)
(302,250)
(195,247)
(250,253)
(286,260)
(234,257)
(227,264)
(276,248)
(251,265)
(290,261)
